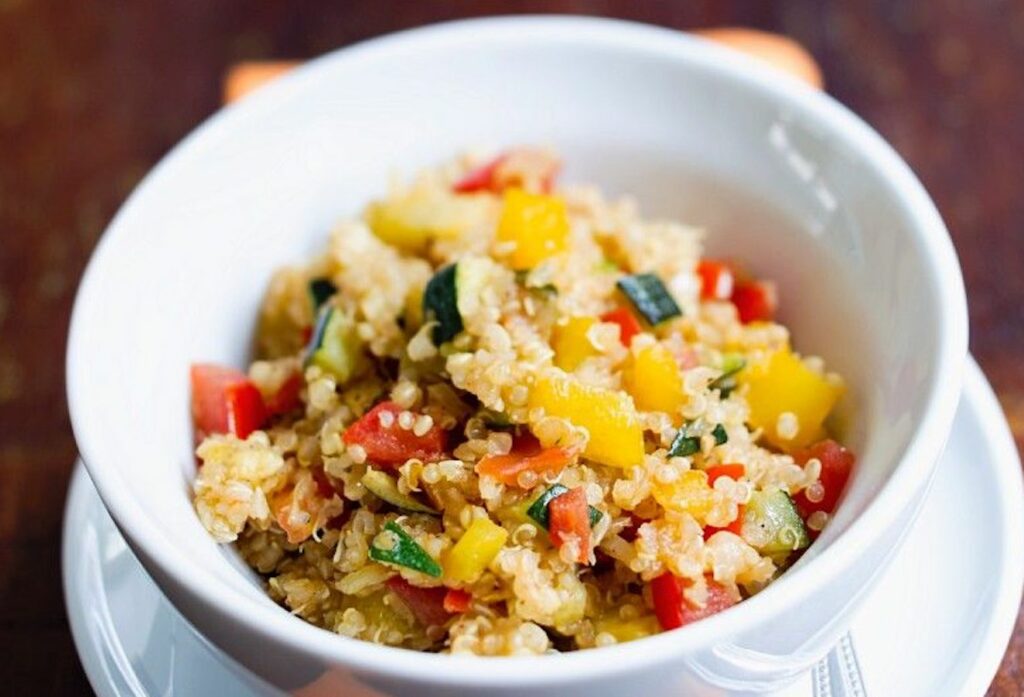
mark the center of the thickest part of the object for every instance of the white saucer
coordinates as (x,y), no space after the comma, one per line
(937,624)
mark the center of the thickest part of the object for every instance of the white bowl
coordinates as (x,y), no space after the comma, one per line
(782,176)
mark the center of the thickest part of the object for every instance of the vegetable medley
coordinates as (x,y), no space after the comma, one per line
(501,416)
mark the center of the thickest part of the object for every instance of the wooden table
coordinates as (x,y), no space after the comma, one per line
(93,94)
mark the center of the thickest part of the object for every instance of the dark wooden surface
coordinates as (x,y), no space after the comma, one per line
(93,93)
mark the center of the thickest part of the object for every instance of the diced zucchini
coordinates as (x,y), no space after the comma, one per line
(395,546)
(772,524)
(687,440)
(385,488)
(539,512)
(334,346)
(452,294)
(732,363)
(649,297)
(320,291)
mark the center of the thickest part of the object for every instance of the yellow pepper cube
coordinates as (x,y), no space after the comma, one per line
(781,384)
(476,549)
(652,377)
(616,436)
(627,630)
(688,493)
(571,344)
(536,224)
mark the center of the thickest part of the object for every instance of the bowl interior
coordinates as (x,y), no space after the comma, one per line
(689,131)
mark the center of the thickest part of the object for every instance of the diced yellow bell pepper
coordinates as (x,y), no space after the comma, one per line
(616,437)
(688,493)
(538,225)
(571,344)
(782,383)
(410,219)
(627,630)
(652,377)
(476,548)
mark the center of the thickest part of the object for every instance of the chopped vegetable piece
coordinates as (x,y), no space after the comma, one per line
(731,471)
(686,442)
(772,524)
(539,509)
(526,168)
(426,604)
(755,301)
(720,434)
(286,398)
(653,379)
(569,521)
(836,465)
(391,445)
(628,324)
(526,456)
(650,297)
(473,552)
(783,383)
(224,400)
(735,527)
(412,219)
(626,630)
(571,344)
(536,224)
(385,488)
(716,280)
(725,383)
(616,437)
(395,546)
(457,601)
(687,493)
(673,610)
(320,291)
(335,346)
(452,294)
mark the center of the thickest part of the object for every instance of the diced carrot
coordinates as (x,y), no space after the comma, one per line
(734,471)
(569,518)
(526,456)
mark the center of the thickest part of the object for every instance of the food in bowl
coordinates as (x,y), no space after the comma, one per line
(499,416)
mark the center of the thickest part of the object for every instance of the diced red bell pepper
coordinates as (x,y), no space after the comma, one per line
(735,527)
(836,465)
(426,604)
(457,601)
(673,610)
(716,280)
(526,455)
(569,516)
(392,445)
(755,301)
(735,471)
(286,398)
(224,400)
(511,169)
(629,326)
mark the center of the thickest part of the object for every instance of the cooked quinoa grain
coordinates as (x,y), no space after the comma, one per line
(501,417)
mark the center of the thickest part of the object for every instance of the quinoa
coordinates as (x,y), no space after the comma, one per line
(396,488)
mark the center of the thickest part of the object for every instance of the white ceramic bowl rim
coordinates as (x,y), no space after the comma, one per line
(916,464)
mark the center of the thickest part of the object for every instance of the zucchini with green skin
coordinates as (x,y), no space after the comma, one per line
(334,345)
(452,294)
(402,551)
(649,297)
(320,291)
(385,488)
(540,513)
(772,524)
(725,383)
